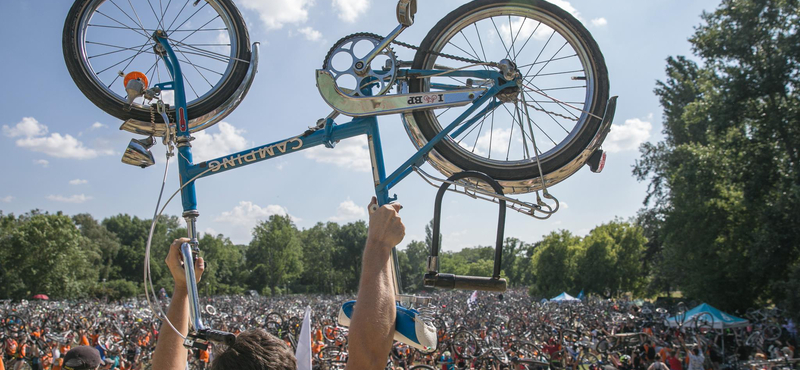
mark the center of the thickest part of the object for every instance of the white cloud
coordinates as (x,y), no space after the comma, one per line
(73,199)
(28,127)
(211,231)
(209,146)
(498,138)
(246,215)
(310,33)
(60,146)
(42,162)
(522,30)
(350,10)
(7,199)
(275,13)
(563,205)
(348,211)
(33,137)
(78,182)
(351,153)
(627,136)
(599,22)
(98,125)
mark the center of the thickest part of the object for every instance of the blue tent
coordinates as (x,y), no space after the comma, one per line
(564,297)
(722,320)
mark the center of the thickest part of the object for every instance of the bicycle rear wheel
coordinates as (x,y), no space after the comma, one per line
(103,40)
(556,112)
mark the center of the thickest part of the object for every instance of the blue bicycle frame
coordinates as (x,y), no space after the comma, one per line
(326,135)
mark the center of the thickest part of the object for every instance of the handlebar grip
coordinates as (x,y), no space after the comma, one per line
(219,336)
(450,281)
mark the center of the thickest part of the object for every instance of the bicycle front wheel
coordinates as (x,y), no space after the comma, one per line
(546,122)
(105,40)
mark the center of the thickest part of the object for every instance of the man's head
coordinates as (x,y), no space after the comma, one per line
(82,358)
(256,350)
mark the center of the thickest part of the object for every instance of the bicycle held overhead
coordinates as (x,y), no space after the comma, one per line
(519,114)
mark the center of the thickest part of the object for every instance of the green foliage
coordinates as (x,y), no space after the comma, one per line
(274,253)
(46,254)
(225,266)
(117,289)
(552,263)
(724,192)
(351,239)
(319,249)
(609,259)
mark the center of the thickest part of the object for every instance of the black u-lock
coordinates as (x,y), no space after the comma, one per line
(434,279)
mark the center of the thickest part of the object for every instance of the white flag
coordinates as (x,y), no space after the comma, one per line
(303,353)
(472,299)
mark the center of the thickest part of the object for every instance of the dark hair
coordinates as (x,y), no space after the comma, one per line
(256,350)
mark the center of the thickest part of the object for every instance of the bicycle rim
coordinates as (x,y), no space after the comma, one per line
(115,36)
(549,121)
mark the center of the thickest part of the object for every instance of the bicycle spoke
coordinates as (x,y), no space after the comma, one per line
(129,17)
(540,53)
(124,25)
(480,41)
(120,48)
(137,15)
(178,15)
(526,41)
(195,68)
(548,114)
(126,66)
(205,24)
(160,26)
(192,16)
(545,61)
(470,46)
(500,36)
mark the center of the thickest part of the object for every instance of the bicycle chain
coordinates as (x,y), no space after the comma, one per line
(445,55)
(448,56)
(403,44)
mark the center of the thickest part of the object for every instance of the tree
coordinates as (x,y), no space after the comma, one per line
(415,266)
(274,253)
(551,263)
(44,254)
(725,180)
(101,241)
(319,249)
(350,241)
(224,270)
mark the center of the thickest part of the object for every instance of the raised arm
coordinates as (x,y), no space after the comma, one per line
(170,353)
(372,325)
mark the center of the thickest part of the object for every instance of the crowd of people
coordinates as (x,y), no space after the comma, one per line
(595,333)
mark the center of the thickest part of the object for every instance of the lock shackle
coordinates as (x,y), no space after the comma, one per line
(437,218)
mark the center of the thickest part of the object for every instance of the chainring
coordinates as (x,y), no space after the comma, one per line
(376,79)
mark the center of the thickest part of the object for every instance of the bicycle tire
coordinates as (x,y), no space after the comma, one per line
(703,323)
(329,353)
(464,345)
(516,175)
(516,326)
(422,367)
(772,332)
(83,74)
(274,316)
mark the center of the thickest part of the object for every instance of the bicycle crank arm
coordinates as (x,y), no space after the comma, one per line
(209,119)
(389,104)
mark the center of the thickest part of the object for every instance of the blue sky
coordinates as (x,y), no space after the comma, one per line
(61,153)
